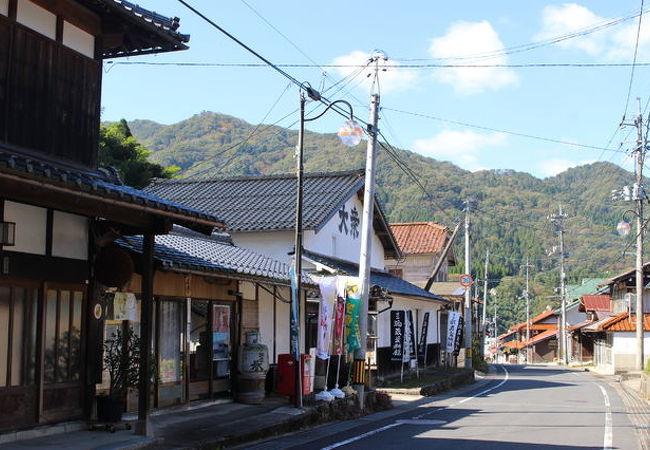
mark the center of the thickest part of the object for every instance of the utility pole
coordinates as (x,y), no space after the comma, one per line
(359,379)
(639,196)
(558,220)
(485,292)
(527,266)
(468,291)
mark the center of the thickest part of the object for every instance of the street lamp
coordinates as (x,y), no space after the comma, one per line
(350,135)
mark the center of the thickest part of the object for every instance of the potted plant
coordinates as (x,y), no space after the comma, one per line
(122,360)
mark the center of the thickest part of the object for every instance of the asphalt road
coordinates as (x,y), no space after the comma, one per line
(519,407)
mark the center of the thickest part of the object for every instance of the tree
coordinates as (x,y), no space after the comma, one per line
(119,149)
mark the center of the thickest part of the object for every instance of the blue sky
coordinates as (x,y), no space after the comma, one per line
(581,105)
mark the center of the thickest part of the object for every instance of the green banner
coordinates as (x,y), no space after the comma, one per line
(352,305)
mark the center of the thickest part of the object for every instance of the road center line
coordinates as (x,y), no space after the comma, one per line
(608,436)
(392,425)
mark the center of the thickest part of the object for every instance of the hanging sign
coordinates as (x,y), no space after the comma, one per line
(397,319)
(422,345)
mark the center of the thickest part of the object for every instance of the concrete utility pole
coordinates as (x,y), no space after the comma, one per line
(527,266)
(468,291)
(639,196)
(558,220)
(366,248)
(485,292)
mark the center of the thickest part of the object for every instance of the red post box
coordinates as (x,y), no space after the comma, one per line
(286,375)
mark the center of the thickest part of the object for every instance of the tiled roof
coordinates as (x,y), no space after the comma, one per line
(597,302)
(623,322)
(393,284)
(420,237)
(447,288)
(586,287)
(155,33)
(507,334)
(95,185)
(580,325)
(627,274)
(541,337)
(210,255)
(544,315)
(268,202)
(514,344)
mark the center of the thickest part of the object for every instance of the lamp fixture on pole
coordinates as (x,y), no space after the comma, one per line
(350,135)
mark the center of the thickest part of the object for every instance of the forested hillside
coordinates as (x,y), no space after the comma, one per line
(509,212)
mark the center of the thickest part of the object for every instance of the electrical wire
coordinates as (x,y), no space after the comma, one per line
(497,130)
(636,50)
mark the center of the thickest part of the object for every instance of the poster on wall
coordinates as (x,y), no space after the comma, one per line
(220,332)
(125,306)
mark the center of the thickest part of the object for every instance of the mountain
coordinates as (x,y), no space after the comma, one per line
(509,213)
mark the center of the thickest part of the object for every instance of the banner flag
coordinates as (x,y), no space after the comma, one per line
(397,335)
(352,306)
(327,287)
(410,338)
(294,343)
(423,334)
(339,321)
(452,327)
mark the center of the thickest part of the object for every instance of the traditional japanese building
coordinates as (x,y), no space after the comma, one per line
(59,212)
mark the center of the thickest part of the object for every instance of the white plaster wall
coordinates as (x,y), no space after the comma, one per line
(31,225)
(4,7)
(282,322)
(419,307)
(69,236)
(624,343)
(36,18)
(79,40)
(276,244)
(267,328)
(347,245)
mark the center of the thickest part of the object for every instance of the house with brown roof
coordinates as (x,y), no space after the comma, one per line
(614,329)
(422,245)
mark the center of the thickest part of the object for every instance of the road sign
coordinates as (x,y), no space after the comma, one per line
(466,280)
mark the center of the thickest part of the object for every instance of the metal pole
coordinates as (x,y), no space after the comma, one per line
(295,317)
(640,152)
(468,292)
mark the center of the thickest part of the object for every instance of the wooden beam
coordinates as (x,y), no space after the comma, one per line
(144,388)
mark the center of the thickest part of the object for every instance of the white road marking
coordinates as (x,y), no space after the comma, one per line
(608,436)
(415,418)
(420,422)
(361,436)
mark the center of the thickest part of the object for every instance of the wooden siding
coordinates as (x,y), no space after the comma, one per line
(50,96)
(167,284)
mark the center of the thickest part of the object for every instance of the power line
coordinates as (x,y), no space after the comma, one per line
(497,130)
(636,49)
(278,67)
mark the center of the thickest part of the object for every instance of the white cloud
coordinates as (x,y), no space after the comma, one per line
(570,18)
(552,167)
(460,147)
(613,43)
(468,39)
(390,80)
